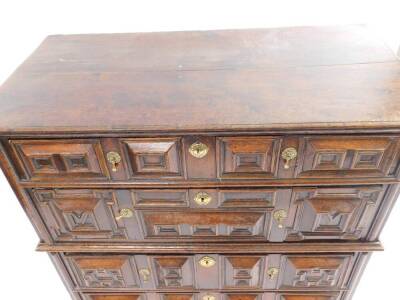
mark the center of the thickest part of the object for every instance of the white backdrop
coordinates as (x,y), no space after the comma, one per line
(26,274)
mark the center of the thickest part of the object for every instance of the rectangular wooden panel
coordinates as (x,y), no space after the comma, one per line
(248,157)
(154,157)
(80,214)
(61,159)
(333,212)
(314,272)
(349,156)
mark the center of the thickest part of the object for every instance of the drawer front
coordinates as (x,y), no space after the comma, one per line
(61,159)
(212,271)
(217,296)
(212,158)
(273,214)
(340,156)
(85,215)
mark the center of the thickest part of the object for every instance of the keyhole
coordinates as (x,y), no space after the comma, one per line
(207,262)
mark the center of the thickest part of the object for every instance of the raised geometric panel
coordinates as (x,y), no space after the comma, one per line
(313,272)
(104,272)
(154,157)
(247,198)
(367,159)
(79,214)
(176,272)
(43,163)
(345,156)
(248,157)
(326,160)
(242,271)
(76,162)
(333,213)
(211,224)
(57,159)
(160,198)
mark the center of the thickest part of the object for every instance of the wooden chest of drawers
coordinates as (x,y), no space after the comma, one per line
(237,165)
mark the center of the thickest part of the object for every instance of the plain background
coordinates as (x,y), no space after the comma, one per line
(26,274)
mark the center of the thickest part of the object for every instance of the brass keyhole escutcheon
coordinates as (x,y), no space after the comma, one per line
(202,198)
(288,155)
(272,272)
(198,150)
(114,159)
(124,213)
(145,273)
(208,297)
(207,262)
(280,216)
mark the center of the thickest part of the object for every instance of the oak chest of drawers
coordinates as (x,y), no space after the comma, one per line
(237,164)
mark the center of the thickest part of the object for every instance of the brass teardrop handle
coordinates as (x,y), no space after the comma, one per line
(198,150)
(208,297)
(114,159)
(280,216)
(145,273)
(288,155)
(202,198)
(272,272)
(207,261)
(124,213)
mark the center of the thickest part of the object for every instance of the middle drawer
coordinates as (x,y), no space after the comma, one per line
(266,214)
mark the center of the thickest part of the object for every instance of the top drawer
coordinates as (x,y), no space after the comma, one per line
(181,158)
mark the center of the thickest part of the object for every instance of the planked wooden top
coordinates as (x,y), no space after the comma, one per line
(257,79)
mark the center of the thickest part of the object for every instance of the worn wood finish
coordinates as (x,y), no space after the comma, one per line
(250,157)
(301,272)
(192,248)
(204,73)
(345,213)
(134,165)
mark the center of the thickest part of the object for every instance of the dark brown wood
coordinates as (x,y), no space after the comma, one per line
(205,81)
(170,215)
(296,272)
(249,157)
(193,248)
(136,227)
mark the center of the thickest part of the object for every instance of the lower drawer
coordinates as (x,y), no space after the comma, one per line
(218,296)
(288,272)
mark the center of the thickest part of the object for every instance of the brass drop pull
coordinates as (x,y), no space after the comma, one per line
(280,216)
(114,159)
(272,272)
(202,198)
(124,213)
(288,155)
(198,150)
(145,273)
(207,261)
(208,297)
